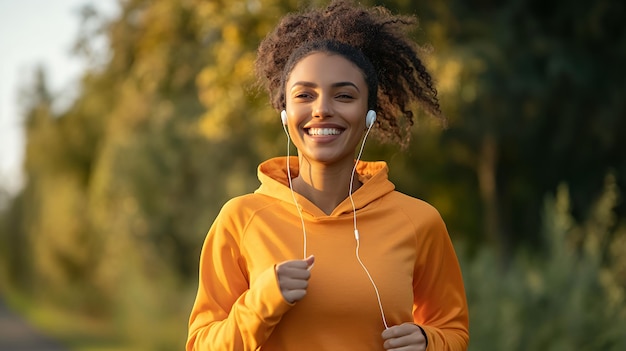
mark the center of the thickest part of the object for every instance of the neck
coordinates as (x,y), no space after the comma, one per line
(325,186)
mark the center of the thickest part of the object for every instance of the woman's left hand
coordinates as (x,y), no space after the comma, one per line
(404,337)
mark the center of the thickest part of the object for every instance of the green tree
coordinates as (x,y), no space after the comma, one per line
(572,296)
(532,98)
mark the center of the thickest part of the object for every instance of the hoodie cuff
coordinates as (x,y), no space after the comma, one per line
(266,296)
(425,335)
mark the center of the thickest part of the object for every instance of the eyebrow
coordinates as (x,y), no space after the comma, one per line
(334,85)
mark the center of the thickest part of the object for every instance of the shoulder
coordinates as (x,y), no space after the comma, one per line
(237,213)
(413,205)
(421,214)
(246,205)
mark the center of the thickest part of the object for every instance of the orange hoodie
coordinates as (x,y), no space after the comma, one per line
(403,243)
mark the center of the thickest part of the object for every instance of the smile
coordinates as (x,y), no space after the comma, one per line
(324,131)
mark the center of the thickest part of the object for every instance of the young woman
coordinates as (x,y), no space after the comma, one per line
(326,255)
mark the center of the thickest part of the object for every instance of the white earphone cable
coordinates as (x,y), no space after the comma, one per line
(356,231)
(293,195)
(380,304)
(358,158)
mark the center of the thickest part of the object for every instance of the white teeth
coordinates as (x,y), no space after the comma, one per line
(324,131)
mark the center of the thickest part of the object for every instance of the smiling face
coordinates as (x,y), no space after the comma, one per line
(326,103)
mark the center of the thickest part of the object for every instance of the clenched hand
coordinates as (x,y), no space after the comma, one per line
(293,278)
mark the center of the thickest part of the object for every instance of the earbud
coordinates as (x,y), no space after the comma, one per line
(283,116)
(370,118)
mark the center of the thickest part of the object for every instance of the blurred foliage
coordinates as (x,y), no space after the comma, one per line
(571,296)
(168,125)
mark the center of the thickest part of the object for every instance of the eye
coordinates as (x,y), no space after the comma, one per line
(345,96)
(303,95)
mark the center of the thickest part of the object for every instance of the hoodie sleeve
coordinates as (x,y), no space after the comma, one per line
(229,313)
(440,305)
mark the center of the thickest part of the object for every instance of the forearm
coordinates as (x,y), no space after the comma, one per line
(246,325)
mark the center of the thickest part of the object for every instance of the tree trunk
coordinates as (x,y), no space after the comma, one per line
(487,178)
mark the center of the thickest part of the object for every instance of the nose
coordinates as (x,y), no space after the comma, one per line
(322,107)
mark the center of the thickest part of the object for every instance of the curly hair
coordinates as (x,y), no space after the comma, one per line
(382,38)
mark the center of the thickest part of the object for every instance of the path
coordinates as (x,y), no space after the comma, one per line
(17,335)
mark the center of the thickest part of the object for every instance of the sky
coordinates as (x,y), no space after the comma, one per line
(35,33)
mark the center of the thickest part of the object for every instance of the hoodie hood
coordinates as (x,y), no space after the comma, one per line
(274,183)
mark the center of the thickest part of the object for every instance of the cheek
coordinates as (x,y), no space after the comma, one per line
(296,114)
(291,108)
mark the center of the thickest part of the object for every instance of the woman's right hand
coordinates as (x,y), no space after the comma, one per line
(293,278)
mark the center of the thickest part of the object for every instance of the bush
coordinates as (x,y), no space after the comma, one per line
(569,296)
